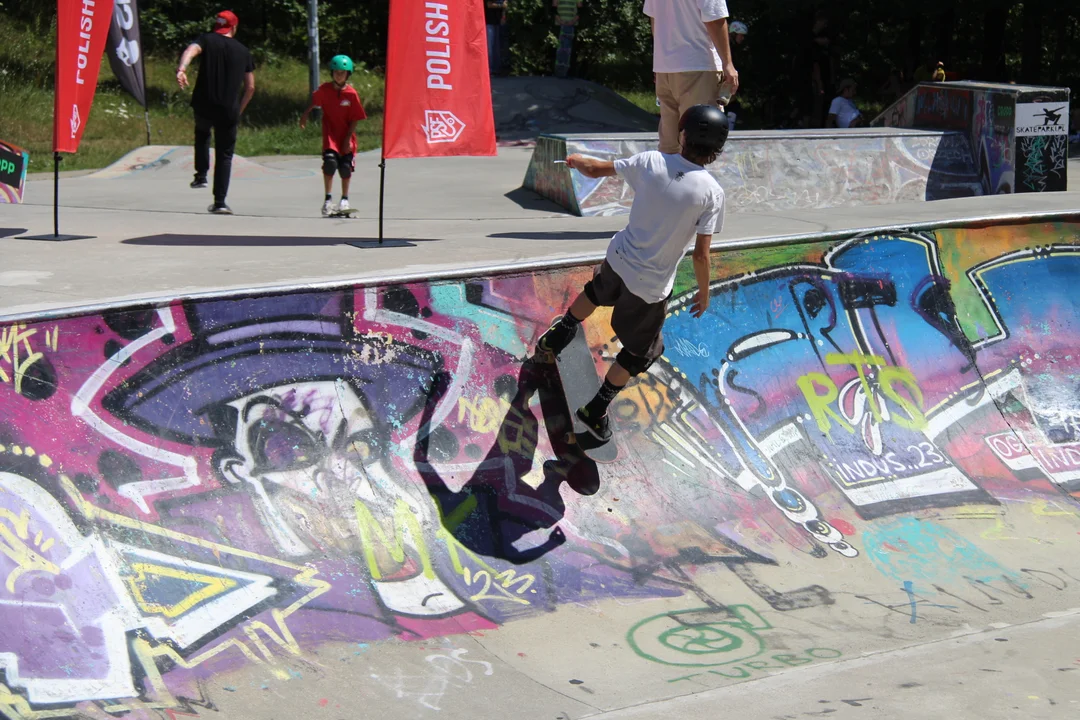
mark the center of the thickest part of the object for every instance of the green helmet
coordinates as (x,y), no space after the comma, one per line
(341,62)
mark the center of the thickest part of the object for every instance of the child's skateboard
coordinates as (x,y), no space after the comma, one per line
(341,213)
(577,371)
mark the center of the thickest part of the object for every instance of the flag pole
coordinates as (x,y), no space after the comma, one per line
(63,27)
(382,151)
(56,194)
(382,188)
(145,99)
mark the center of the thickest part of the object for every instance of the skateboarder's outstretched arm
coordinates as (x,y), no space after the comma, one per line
(701,272)
(590,166)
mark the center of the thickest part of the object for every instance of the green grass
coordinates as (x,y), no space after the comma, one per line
(117,126)
(644,99)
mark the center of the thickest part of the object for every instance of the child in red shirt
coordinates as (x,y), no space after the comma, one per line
(341,108)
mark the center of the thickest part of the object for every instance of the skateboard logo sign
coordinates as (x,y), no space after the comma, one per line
(1041,119)
(442,126)
(76,120)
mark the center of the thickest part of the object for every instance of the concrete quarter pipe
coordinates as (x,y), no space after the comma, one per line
(356,500)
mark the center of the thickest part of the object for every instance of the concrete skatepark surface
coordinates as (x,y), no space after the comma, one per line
(849,490)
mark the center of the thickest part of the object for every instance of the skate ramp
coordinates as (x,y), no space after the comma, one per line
(262,505)
(767,171)
(171,160)
(525,107)
(1018,133)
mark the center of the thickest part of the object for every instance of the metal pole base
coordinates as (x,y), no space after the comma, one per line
(380,243)
(55,237)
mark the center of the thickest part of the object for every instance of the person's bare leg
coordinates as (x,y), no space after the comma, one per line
(617,376)
(328,183)
(582,308)
(345,182)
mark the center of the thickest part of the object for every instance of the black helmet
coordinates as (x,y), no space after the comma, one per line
(705,126)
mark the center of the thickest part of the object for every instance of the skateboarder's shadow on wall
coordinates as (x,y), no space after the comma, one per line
(496,508)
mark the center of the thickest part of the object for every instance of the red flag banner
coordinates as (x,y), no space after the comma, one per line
(81,29)
(438,94)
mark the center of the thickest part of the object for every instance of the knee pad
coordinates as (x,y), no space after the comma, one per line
(631,363)
(329,164)
(590,293)
(345,169)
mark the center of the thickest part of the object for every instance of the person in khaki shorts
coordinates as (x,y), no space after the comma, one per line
(691,59)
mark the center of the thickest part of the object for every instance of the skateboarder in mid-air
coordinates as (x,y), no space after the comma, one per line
(675,199)
(341,110)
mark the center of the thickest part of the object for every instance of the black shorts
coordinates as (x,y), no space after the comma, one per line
(637,323)
(343,161)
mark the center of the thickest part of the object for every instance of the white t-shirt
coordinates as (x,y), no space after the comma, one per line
(844,110)
(674,201)
(680,42)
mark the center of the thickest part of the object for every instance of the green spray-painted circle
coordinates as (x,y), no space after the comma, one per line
(700,640)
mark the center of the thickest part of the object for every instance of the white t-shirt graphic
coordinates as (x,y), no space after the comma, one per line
(681,43)
(674,201)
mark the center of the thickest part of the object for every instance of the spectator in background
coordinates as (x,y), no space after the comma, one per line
(738,31)
(691,60)
(939,73)
(843,113)
(497,38)
(226,65)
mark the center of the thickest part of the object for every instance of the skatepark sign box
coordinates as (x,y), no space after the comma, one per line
(13,162)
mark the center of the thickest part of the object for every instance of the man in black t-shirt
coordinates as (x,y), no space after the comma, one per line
(226,65)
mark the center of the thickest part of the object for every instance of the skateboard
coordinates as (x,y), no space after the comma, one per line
(341,213)
(577,373)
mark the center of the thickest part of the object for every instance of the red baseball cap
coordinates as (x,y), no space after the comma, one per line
(225,21)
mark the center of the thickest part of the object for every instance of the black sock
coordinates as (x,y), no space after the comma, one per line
(329,196)
(597,407)
(568,321)
(344,197)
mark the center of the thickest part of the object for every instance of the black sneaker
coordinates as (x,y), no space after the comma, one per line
(220,209)
(599,428)
(198,182)
(557,337)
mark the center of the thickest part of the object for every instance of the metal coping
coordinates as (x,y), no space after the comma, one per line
(522,267)
(743,135)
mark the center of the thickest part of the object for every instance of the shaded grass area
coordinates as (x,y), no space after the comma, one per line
(117,124)
(644,99)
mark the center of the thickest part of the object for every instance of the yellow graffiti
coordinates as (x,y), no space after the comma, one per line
(888,378)
(13,543)
(505,585)
(503,581)
(998,532)
(277,632)
(517,432)
(646,402)
(211,586)
(404,521)
(17,355)
(1041,508)
(484,414)
(306,577)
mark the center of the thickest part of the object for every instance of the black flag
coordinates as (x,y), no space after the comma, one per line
(124,49)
